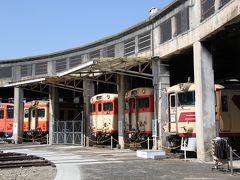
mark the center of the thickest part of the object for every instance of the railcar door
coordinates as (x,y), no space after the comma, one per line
(2,119)
(9,119)
(32,118)
(225,123)
(133,114)
(230,106)
(172,113)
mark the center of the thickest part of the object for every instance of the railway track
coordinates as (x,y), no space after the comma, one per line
(17,160)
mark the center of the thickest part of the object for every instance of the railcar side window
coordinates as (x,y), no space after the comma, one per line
(26,113)
(186,98)
(143,103)
(41,113)
(99,107)
(10,113)
(92,108)
(224,100)
(1,114)
(108,106)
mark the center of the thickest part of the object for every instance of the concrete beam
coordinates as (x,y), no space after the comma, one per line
(205,103)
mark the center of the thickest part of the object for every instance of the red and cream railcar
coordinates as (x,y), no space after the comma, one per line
(104,116)
(36,118)
(182,121)
(6,119)
(139,112)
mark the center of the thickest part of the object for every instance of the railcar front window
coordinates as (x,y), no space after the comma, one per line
(26,113)
(1,114)
(107,106)
(99,107)
(186,98)
(41,113)
(143,103)
(10,113)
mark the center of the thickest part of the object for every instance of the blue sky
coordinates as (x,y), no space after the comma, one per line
(35,27)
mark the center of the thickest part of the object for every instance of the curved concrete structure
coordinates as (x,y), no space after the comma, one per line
(174,28)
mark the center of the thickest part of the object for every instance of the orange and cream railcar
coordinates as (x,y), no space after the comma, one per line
(36,118)
(182,121)
(139,112)
(104,115)
(6,119)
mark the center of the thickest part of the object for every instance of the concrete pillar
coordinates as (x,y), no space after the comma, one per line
(18,115)
(174,26)
(161,81)
(217,5)
(121,106)
(53,111)
(194,13)
(205,103)
(88,92)
(136,45)
(119,50)
(51,68)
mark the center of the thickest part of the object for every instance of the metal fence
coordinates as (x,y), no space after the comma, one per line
(129,47)
(144,41)
(94,54)
(5,72)
(166,30)
(109,51)
(75,60)
(182,21)
(61,65)
(26,70)
(208,7)
(41,68)
(223,2)
(68,132)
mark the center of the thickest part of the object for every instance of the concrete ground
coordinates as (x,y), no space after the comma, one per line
(76,162)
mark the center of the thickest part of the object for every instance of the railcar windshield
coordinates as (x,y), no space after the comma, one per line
(10,112)
(41,113)
(186,98)
(143,103)
(1,114)
(26,113)
(108,106)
